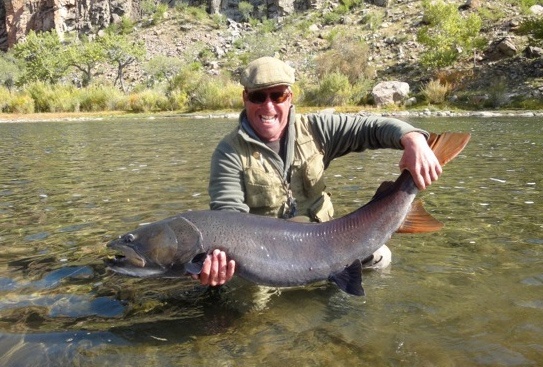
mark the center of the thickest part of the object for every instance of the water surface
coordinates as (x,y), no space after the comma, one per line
(469,295)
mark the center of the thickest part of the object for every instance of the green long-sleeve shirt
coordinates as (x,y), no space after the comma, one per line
(337,135)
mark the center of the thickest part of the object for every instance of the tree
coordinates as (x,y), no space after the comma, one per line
(85,56)
(9,70)
(162,68)
(41,53)
(448,34)
(122,52)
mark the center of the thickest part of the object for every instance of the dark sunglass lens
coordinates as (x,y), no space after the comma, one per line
(261,97)
(257,97)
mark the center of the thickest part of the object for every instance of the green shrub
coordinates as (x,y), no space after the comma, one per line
(533,27)
(187,78)
(178,101)
(373,20)
(246,9)
(99,98)
(334,89)
(497,95)
(21,102)
(198,13)
(10,70)
(215,93)
(448,34)
(436,92)
(348,55)
(331,18)
(5,97)
(53,98)
(160,13)
(147,101)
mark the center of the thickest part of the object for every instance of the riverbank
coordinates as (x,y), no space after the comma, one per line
(70,116)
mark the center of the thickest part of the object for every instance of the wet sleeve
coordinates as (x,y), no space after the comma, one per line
(226,180)
(340,134)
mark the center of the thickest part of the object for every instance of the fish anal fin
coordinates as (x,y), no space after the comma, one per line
(418,220)
(349,279)
(448,145)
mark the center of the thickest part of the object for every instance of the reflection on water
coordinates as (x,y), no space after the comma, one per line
(470,294)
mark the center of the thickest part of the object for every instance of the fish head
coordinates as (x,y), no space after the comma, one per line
(162,248)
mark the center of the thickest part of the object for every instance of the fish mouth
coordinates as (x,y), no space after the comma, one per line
(130,262)
(127,256)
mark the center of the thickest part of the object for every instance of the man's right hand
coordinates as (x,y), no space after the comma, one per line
(216,270)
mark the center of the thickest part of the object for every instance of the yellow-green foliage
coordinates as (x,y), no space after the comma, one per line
(99,98)
(215,93)
(334,89)
(15,102)
(5,97)
(178,101)
(21,103)
(435,91)
(348,55)
(147,101)
(448,34)
(53,98)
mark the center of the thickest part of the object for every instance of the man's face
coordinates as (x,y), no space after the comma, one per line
(267,111)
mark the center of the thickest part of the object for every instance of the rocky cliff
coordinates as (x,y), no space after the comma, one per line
(17,17)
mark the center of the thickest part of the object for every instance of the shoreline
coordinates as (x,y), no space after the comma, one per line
(94,116)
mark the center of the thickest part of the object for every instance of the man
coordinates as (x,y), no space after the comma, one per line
(273,163)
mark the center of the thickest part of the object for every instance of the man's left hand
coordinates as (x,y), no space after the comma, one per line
(419,160)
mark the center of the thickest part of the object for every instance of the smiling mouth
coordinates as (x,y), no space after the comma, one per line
(267,118)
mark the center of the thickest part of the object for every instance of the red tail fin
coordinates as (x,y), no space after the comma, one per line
(448,145)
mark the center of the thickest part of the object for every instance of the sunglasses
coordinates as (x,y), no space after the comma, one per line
(259,97)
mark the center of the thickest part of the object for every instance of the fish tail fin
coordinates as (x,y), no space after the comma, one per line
(350,279)
(448,145)
(418,220)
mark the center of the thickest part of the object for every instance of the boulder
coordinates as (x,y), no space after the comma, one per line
(390,92)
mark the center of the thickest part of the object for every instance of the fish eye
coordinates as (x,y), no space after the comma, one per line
(129,238)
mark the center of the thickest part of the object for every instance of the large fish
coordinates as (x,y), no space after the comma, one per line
(278,252)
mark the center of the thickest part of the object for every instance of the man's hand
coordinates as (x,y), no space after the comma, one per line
(419,160)
(216,270)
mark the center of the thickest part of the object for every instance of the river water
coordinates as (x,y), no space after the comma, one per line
(469,295)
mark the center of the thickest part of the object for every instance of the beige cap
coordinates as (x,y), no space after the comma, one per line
(266,72)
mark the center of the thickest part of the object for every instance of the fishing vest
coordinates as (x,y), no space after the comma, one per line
(267,193)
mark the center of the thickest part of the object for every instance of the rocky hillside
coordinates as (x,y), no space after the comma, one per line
(507,61)
(298,36)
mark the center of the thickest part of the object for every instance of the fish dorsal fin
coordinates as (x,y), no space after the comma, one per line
(448,145)
(384,187)
(418,220)
(350,279)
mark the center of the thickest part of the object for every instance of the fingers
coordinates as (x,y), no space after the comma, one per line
(216,270)
(423,173)
(419,160)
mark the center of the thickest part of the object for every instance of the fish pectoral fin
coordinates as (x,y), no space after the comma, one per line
(196,264)
(418,220)
(349,279)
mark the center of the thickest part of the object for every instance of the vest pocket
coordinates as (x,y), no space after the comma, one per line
(261,190)
(322,210)
(313,176)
